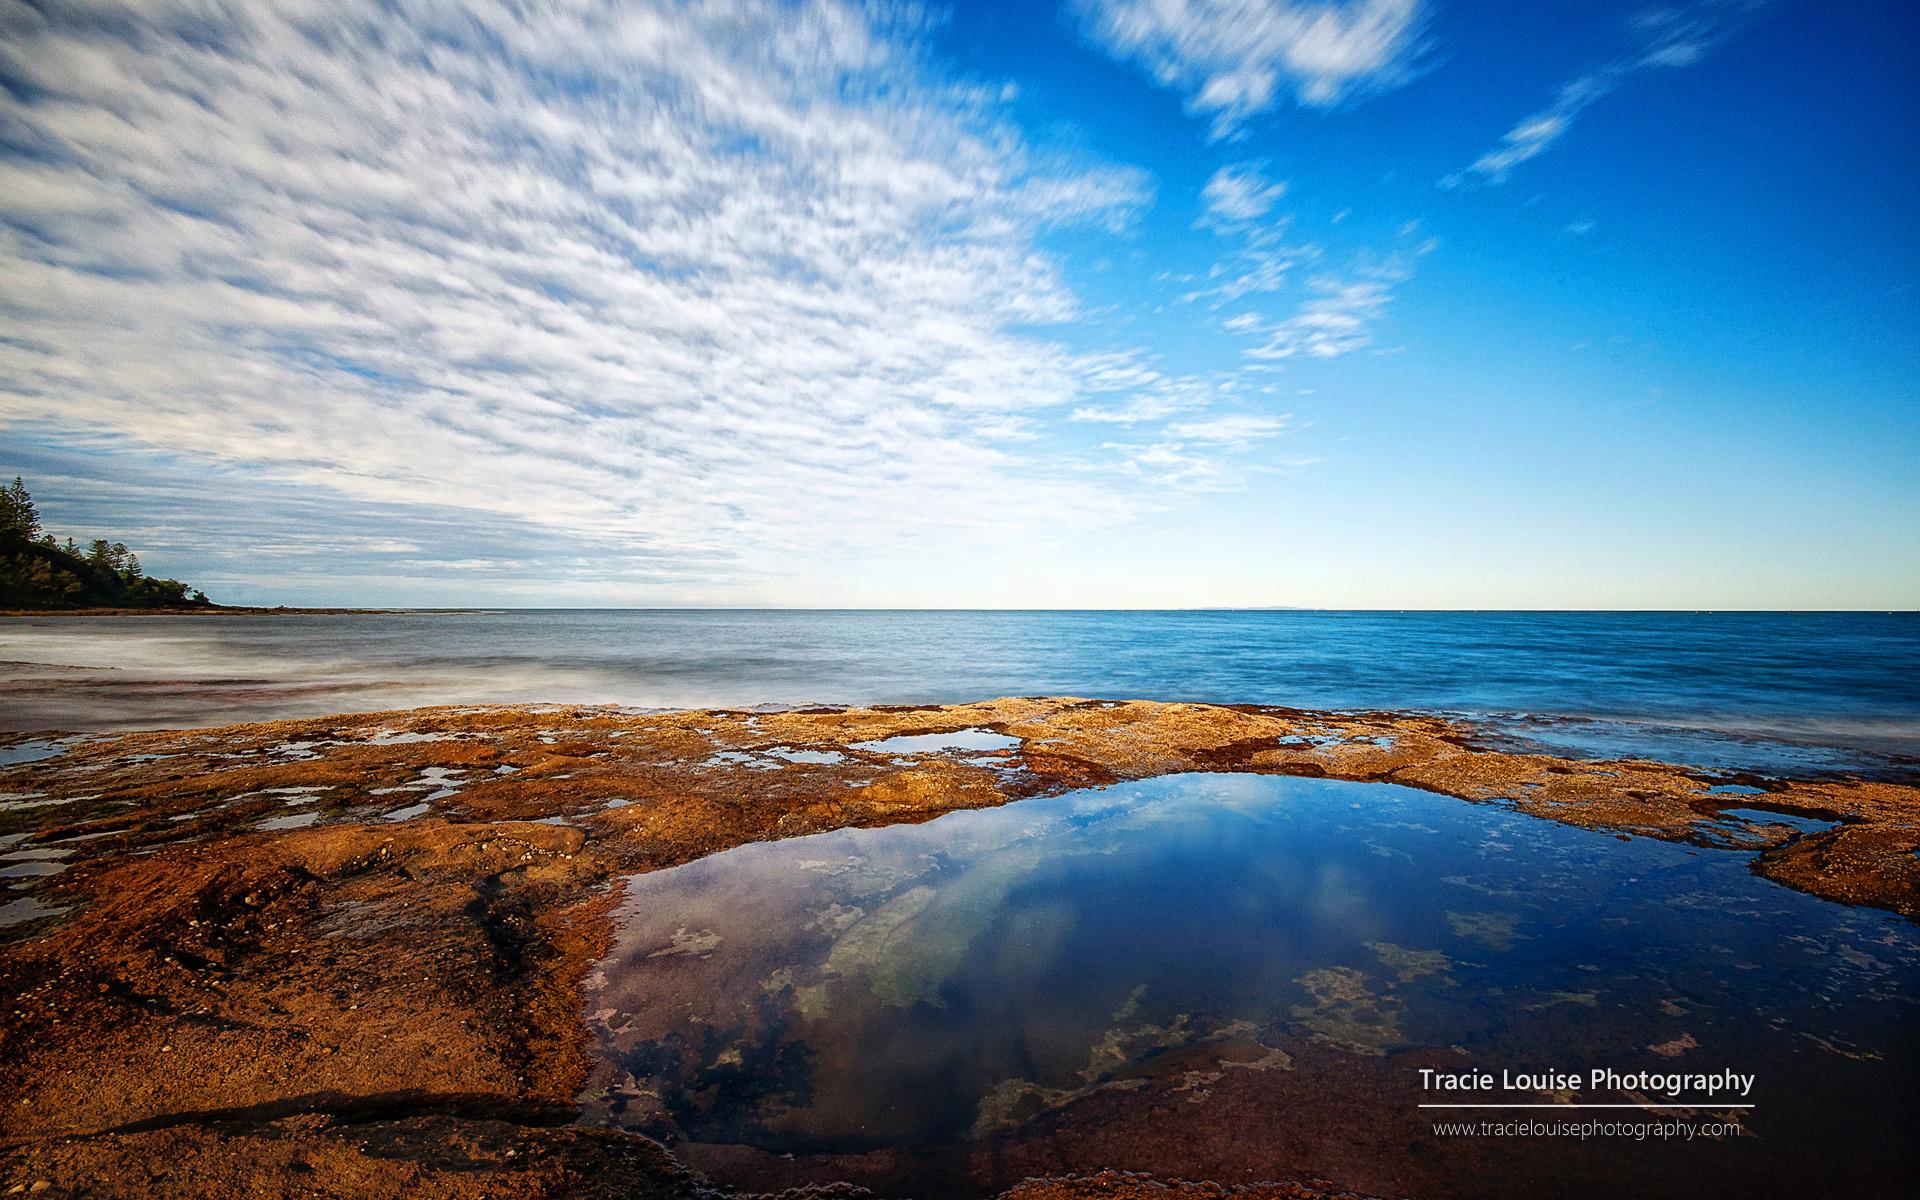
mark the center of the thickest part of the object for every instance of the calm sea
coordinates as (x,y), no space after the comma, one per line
(1813,691)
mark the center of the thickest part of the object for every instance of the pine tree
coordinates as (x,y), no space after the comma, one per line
(17,514)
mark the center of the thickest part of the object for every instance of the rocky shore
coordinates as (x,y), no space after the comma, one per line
(344,956)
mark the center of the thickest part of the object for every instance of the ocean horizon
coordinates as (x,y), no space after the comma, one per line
(1787,691)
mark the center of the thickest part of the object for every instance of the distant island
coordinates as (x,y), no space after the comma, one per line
(41,573)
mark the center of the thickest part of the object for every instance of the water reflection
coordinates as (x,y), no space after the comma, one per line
(943,982)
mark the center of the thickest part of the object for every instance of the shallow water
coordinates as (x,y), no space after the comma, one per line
(940,984)
(978,740)
(1783,691)
(29,751)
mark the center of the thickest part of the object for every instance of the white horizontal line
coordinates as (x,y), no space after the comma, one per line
(1649,1104)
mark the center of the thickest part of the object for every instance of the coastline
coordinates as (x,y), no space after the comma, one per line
(397,1002)
(232,610)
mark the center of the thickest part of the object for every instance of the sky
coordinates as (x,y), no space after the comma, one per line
(1111,303)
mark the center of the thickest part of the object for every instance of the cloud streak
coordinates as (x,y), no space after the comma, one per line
(1666,38)
(1234,59)
(1238,193)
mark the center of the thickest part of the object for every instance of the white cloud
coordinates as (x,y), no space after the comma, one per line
(1239,193)
(1205,455)
(1664,38)
(1232,59)
(1336,320)
(1137,392)
(1237,429)
(725,285)
(1339,311)
(1337,316)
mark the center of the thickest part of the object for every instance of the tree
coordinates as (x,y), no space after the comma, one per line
(42,572)
(18,517)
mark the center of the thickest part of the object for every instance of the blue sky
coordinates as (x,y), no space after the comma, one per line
(1392,303)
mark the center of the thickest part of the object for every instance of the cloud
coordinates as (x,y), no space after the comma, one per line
(1663,38)
(1239,193)
(1236,429)
(1337,318)
(1137,392)
(1233,59)
(1205,455)
(714,289)
(1340,310)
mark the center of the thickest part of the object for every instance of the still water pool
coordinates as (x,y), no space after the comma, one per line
(978,979)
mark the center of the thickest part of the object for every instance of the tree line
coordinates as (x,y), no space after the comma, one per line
(39,571)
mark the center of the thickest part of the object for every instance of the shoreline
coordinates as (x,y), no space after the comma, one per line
(236,610)
(227,999)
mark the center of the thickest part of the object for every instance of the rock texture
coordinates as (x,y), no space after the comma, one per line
(343,956)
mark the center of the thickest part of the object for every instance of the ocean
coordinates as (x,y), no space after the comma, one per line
(1781,692)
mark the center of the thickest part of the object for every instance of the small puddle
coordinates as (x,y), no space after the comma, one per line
(31,869)
(739,758)
(26,908)
(408,813)
(1758,816)
(25,800)
(391,738)
(30,751)
(293,821)
(1323,740)
(973,740)
(812,757)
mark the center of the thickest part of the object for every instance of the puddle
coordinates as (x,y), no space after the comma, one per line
(31,869)
(773,759)
(1735,789)
(12,805)
(406,814)
(975,740)
(928,986)
(825,758)
(29,751)
(40,851)
(1759,816)
(293,821)
(26,908)
(739,758)
(1322,740)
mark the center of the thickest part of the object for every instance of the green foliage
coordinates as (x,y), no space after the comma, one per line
(38,572)
(18,517)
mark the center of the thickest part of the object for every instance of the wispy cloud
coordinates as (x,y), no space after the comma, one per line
(1132,390)
(1238,193)
(1336,318)
(716,283)
(1202,456)
(1234,59)
(1338,311)
(1664,37)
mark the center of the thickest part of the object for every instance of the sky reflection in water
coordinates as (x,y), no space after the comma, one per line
(943,981)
